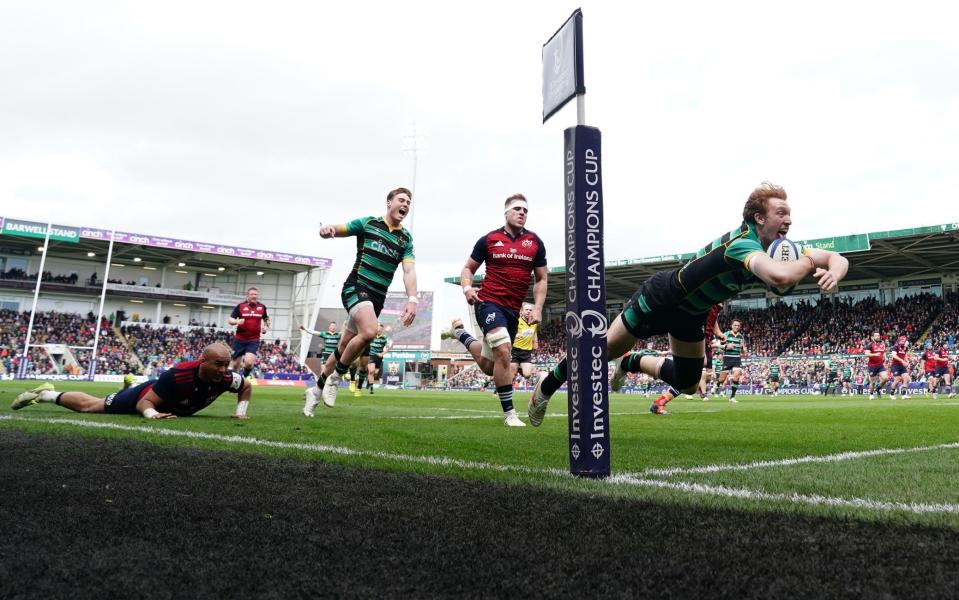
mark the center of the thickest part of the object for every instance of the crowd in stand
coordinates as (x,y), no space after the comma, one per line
(831,326)
(21,275)
(69,329)
(156,348)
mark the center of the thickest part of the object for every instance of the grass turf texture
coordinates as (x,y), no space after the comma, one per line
(461,435)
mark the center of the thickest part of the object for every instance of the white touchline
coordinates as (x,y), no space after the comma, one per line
(812,500)
(623,479)
(318,448)
(499,415)
(787,462)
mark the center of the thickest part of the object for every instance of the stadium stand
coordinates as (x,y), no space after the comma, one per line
(138,349)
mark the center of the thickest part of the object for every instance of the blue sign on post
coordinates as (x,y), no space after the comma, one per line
(563,65)
(585,321)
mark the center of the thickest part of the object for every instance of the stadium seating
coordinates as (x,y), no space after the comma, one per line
(153,347)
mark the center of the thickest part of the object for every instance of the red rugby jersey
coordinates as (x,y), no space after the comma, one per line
(877,361)
(509,264)
(183,392)
(253,316)
(711,317)
(943,359)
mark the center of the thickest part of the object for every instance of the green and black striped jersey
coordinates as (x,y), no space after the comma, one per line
(717,363)
(377,345)
(720,270)
(734,344)
(330,341)
(379,250)
(846,373)
(774,370)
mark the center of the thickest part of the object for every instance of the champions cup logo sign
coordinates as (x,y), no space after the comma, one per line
(576,324)
(586,305)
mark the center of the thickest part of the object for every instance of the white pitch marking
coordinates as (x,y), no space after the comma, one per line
(787,462)
(318,448)
(500,415)
(624,479)
(811,500)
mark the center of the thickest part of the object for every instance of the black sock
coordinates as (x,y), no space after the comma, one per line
(505,393)
(341,369)
(320,380)
(554,378)
(60,395)
(353,373)
(631,363)
(733,394)
(673,391)
(363,374)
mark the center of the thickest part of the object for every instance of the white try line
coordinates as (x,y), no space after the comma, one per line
(807,499)
(624,479)
(499,415)
(788,462)
(316,448)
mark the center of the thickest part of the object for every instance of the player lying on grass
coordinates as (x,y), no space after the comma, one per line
(677,301)
(181,391)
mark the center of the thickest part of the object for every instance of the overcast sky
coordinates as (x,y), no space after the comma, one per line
(251,123)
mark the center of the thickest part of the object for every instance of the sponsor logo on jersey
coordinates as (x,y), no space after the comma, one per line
(383,249)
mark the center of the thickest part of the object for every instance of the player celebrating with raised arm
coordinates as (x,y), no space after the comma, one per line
(677,301)
(181,391)
(251,321)
(329,338)
(511,253)
(381,245)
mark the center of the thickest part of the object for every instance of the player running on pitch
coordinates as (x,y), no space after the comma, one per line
(900,368)
(512,253)
(943,376)
(676,301)
(251,321)
(734,349)
(382,244)
(876,365)
(525,342)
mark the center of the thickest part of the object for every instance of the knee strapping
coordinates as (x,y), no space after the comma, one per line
(682,373)
(498,337)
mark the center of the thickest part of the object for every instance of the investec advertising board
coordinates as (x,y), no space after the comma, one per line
(585,320)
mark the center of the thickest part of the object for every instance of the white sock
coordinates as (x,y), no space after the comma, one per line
(48,396)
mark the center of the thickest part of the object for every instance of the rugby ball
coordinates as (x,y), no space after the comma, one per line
(784,250)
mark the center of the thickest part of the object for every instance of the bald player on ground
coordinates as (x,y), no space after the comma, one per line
(179,392)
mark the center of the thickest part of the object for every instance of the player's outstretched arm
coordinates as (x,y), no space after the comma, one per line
(309,331)
(831,268)
(409,282)
(332,231)
(780,274)
(147,406)
(539,294)
(243,400)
